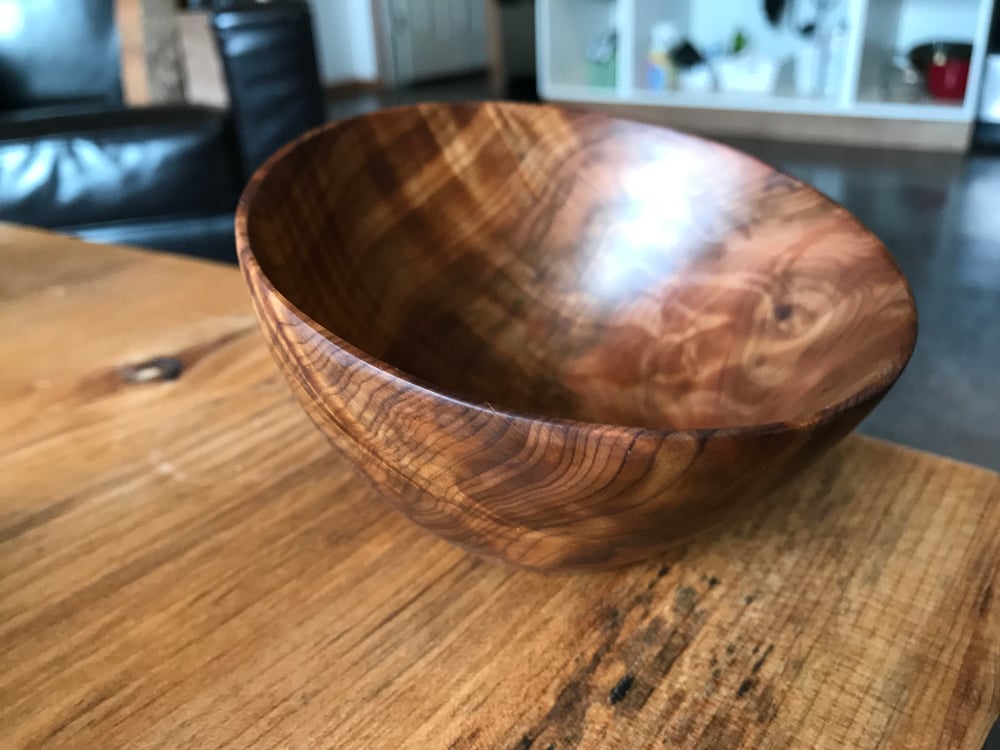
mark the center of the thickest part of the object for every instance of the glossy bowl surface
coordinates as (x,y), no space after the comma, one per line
(561,339)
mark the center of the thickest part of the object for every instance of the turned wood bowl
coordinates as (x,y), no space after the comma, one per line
(559,339)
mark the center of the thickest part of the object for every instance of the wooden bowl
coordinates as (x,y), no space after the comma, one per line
(563,340)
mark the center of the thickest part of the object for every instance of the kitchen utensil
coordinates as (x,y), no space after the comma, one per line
(945,66)
(559,339)
(747,73)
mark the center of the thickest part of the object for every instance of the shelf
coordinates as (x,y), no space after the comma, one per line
(566,29)
(782,100)
(892,28)
(784,97)
(928,110)
(570,92)
(778,102)
(873,32)
(711,28)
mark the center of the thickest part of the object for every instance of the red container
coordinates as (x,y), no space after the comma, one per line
(945,66)
(948,79)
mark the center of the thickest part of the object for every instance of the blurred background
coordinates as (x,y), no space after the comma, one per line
(140,122)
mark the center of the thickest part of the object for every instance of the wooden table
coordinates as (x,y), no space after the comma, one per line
(184,563)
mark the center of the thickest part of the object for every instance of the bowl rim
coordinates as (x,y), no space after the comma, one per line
(252,271)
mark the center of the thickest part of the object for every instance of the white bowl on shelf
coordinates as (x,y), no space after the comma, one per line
(696,79)
(746,74)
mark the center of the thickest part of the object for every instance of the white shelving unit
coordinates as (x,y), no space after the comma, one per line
(876,30)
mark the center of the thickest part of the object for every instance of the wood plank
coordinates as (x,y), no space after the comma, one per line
(184,563)
(915,135)
(199,55)
(151,52)
(135,83)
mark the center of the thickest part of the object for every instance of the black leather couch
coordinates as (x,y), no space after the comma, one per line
(73,158)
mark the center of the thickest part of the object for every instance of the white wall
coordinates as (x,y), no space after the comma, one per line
(573,25)
(345,40)
(924,20)
(716,23)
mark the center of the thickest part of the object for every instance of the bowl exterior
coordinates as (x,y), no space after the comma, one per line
(538,493)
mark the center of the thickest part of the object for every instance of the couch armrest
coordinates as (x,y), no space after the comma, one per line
(269,59)
(75,167)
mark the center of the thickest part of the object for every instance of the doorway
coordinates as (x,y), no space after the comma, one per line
(429,39)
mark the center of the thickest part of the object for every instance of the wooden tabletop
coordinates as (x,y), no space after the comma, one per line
(184,563)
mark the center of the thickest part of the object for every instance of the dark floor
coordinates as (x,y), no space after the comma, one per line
(940,216)
(462,89)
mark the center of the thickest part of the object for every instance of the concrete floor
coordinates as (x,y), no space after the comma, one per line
(940,216)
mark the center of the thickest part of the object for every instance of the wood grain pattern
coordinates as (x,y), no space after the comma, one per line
(185,564)
(561,340)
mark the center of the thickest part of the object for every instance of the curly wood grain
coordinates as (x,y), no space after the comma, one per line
(562,340)
(184,563)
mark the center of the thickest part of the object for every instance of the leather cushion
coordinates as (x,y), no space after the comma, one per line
(110,165)
(58,50)
(270,65)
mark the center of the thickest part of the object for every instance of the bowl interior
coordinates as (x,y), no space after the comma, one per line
(571,265)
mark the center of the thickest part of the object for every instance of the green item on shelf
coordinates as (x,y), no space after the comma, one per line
(601,57)
(739,42)
(603,75)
